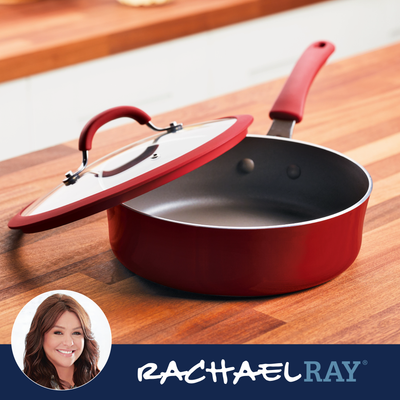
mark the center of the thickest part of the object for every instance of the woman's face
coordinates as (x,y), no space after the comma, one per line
(64,342)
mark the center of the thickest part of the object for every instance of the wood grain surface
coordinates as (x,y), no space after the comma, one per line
(49,34)
(353,107)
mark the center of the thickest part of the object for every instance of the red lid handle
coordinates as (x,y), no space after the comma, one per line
(290,103)
(86,137)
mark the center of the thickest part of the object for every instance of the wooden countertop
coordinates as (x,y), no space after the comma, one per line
(352,108)
(49,34)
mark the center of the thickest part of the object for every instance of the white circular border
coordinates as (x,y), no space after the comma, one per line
(100,326)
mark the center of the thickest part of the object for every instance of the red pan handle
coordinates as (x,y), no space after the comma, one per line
(290,103)
(87,134)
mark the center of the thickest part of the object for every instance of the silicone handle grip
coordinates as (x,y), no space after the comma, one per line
(89,130)
(290,103)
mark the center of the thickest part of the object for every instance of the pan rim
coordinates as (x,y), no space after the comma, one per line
(280,226)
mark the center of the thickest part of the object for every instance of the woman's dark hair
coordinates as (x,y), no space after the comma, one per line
(37,366)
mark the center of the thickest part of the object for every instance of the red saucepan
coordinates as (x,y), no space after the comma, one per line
(229,214)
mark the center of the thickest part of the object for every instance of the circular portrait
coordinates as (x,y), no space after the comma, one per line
(61,340)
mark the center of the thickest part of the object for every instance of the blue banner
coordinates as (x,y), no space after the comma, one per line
(229,371)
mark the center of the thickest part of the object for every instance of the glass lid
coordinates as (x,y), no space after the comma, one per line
(130,162)
(131,170)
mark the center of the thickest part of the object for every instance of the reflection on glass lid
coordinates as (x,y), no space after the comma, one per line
(130,162)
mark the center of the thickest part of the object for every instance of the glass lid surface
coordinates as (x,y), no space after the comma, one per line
(129,162)
(132,171)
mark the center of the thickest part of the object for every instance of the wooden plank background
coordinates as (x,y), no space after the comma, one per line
(48,34)
(353,107)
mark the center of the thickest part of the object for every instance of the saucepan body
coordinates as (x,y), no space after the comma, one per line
(272,215)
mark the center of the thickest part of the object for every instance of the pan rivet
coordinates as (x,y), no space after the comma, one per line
(246,165)
(293,171)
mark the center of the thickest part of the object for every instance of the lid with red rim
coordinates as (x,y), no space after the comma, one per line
(130,171)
